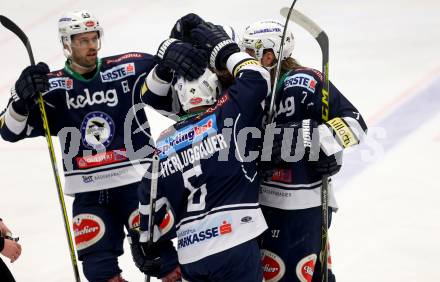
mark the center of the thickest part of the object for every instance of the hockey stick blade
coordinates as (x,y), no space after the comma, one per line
(309,25)
(17,31)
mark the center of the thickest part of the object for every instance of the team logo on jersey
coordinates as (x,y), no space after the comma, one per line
(301,80)
(97,130)
(305,268)
(61,83)
(186,136)
(273,266)
(190,237)
(88,229)
(118,72)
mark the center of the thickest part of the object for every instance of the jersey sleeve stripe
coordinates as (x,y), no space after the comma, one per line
(15,122)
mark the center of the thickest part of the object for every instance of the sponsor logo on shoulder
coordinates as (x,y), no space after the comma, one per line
(118,72)
(65,83)
(88,229)
(186,136)
(273,266)
(124,57)
(301,80)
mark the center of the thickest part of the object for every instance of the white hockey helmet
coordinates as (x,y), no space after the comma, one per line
(267,34)
(199,92)
(77,22)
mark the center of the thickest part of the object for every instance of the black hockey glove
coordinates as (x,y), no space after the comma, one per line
(329,165)
(184,25)
(32,81)
(304,144)
(186,60)
(155,259)
(215,40)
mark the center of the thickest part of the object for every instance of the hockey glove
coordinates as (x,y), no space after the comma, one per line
(182,28)
(186,60)
(215,40)
(32,81)
(303,138)
(147,256)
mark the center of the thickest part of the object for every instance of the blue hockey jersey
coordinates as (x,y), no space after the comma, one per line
(207,191)
(89,117)
(300,97)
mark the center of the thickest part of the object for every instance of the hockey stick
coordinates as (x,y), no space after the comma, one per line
(17,31)
(153,195)
(322,39)
(271,112)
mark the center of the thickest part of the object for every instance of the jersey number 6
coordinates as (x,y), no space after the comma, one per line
(192,206)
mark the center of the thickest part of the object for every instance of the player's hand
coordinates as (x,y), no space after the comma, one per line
(32,81)
(11,250)
(329,165)
(186,60)
(184,25)
(147,259)
(4,230)
(215,40)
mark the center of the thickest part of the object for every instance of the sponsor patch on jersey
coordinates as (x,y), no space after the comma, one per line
(109,97)
(134,220)
(206,232)
(124,57)
(65,83)
(305,268)
(343,132)
(167,223)
(101,159)
(273,266)
(220,102)
(88,229)
(118,72)
(97,130)
(186,136)
(282,175)
(301,80)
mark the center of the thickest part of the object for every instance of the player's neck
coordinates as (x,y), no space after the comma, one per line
(81,69)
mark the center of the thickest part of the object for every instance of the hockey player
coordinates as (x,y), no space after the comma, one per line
(206,190)
(290,198)
(87,103)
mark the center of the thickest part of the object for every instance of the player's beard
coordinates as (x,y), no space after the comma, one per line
(87,61)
